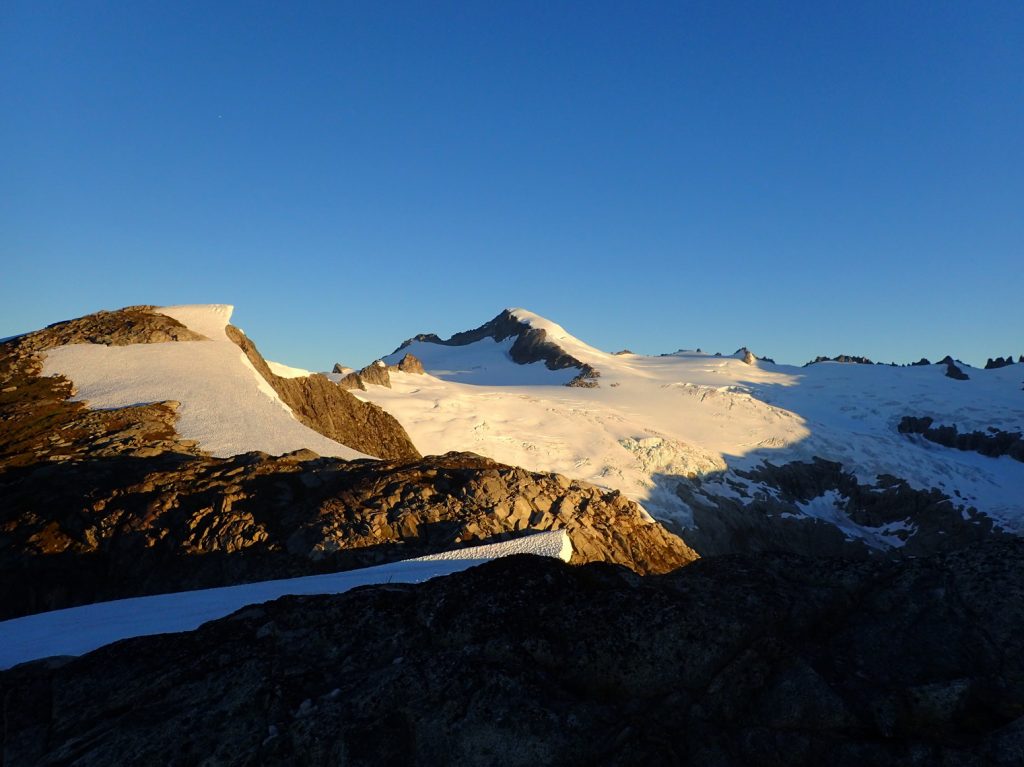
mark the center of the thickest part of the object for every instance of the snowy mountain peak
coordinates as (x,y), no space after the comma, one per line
(515,347)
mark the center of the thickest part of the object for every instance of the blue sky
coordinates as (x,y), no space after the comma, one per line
(801,178)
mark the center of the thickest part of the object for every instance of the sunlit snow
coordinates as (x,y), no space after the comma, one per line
(690,413)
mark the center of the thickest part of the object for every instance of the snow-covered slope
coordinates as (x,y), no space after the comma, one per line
(226,405)
(78,630)
(653,420)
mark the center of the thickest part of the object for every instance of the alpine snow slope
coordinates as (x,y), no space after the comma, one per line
(225,404)
(694,436)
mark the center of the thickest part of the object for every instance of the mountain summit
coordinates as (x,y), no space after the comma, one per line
(516,336)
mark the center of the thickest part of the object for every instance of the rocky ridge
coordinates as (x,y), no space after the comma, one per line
(332,411)
(993,443)
(80,532)
(378,373)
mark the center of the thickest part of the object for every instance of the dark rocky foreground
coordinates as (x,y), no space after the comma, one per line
(757,660)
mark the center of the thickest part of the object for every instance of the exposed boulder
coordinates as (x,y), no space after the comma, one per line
(768,660)
(330,410)
(410,364)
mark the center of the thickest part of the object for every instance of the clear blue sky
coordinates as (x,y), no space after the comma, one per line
(804,178)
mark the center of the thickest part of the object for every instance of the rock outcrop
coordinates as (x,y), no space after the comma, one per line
(352,381)
(131,325)
(999,362)
(330,410)
(952,369)
(993,443)
(75,533)
(379,373)
(769,660)
(376,373)
(847,358)
(411,364)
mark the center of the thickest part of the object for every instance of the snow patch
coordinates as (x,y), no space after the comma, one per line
(286,371)
(79,630)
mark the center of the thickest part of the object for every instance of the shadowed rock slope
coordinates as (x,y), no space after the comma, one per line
(767,660)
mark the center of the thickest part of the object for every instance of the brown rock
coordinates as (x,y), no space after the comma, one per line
(330,410)
(410,364)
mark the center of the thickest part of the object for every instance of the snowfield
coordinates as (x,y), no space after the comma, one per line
(226,405)
(78,630)
(696,414)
